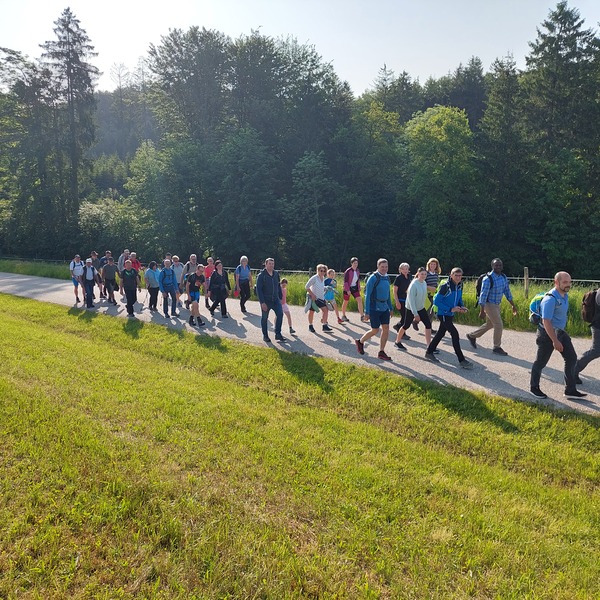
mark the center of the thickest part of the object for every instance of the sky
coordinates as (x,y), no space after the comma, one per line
(425,38)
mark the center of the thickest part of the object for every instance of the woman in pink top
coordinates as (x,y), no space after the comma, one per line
(352,288)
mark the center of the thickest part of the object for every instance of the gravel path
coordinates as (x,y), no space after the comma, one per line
(505,376)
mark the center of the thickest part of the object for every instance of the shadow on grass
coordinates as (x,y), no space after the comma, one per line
(465,404)
(304,368)
(132,327)
(83,314)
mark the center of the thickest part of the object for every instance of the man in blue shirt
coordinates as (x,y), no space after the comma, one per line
(551,335)
(493,287)
(378,306)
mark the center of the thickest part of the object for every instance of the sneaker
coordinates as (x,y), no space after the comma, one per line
(535,391)
(179,305)
(340,321)
(327,328)
(473,341)
(280,338)
(415,326)
(406,337)
(574,394)
(292,331)
(466,364)
(397,326)
(226,316)
(360,346)
(400,346)
(345,319)
(311,328)
(199,322)
(383,356)
(187,304)
(131,316)
(175,315)
(267,339)
(192,321)
(500,351)
(436,351)
(167,316)
(77,300)
(431,356)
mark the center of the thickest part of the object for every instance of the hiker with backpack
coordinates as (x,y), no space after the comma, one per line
(89,278)
(167,283)
(448,301)
(415,308)
(551,335)
(491,288)
(270,296)
(378,306)
(590,313)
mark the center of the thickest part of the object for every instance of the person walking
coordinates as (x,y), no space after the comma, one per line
(121,265)
(151,278)
(218,289)
(270,295)
(243,281)
(594,352)
(401,284)
(315,289)
(76,269)
(448,301)
(415,308)
(208,271)
(131,285)
(551,335)
(109,277)
(378,307)
(188,269)
(494,286)
(167,283)
(352,288)
(89,277)
(193,283)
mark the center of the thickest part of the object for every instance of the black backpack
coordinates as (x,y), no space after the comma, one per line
(588,306)
(479,283)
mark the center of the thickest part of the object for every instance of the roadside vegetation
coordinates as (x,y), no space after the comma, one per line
(142,462)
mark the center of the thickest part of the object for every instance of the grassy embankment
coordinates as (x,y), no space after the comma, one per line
(142,462)
(297,295)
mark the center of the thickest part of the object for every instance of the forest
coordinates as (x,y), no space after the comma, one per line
(255,146)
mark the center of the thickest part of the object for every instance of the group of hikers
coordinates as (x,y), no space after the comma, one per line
(417,299)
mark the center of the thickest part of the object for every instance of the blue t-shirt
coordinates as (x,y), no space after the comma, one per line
(243,272)
(555,308)
(332,284)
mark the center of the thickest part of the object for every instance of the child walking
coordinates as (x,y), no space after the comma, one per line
(330,287)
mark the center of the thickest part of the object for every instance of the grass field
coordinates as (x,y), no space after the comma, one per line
(142,462)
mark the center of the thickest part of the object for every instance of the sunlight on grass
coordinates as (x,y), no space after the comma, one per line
(142,462)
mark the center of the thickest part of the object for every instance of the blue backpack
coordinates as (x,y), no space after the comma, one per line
(535,313)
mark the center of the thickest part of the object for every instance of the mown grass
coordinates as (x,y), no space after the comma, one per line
(142,462)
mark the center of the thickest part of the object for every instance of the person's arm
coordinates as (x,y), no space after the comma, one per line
(547,323)
(308,288)
(547,307)
(368,291)
(508,295)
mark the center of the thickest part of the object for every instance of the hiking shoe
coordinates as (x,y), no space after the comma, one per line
(400,346)
(500,351)
(431,356)
(473,341)
(535,391)
(397,326)
(280,338)
(192,321)
(383,356)
(200,322)
(415,326)
(311,328)
(292,331)
(327,328)
(466,364)
(360,346)
(574,394)
(267,339)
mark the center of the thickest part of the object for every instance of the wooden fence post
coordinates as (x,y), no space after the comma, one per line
(526,281)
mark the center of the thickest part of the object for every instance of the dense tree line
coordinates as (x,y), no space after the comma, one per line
(255,146)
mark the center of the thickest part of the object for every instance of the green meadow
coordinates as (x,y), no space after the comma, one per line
(143,462)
